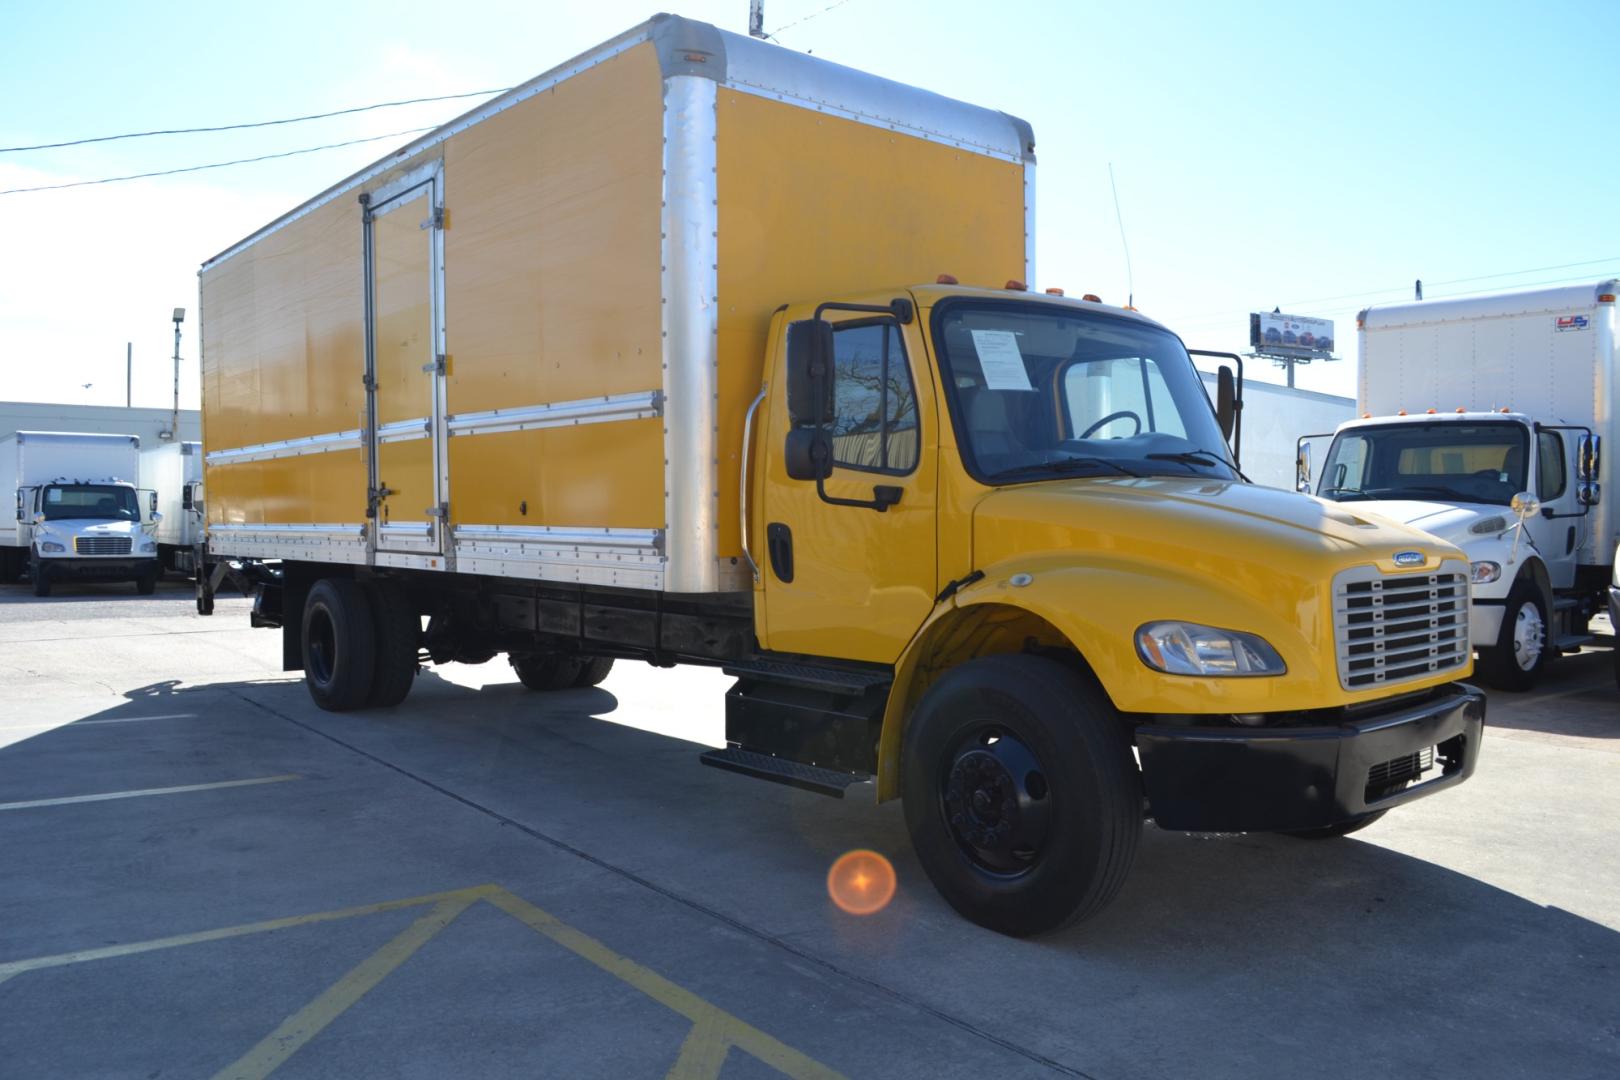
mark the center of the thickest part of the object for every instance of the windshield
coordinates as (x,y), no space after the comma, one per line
(99,501)
(1478,463)
(1039,390)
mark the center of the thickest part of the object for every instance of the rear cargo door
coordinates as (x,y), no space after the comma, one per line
(405,363)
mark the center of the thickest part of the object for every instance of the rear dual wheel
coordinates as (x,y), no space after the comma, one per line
(359,644)
(1021,796)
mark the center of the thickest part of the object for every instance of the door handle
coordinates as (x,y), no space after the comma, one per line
(779,543)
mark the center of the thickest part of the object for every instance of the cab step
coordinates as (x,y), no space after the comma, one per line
(781,771)
(1573,642)
(850,680)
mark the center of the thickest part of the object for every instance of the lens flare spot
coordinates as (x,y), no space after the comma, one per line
(861,882)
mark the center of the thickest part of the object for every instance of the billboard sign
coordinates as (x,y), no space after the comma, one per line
(1272,333)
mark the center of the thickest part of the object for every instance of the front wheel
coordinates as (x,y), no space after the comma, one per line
(41,578)
(146,584)
(1021,796)
(545,670)
(1521,651)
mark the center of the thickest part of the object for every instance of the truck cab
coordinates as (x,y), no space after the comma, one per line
(90,530)
(1514,493)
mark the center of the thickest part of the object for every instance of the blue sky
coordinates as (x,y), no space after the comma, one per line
(1310,156)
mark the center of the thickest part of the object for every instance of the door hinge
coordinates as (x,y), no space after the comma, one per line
(436,221)
(439,366)
(442,511)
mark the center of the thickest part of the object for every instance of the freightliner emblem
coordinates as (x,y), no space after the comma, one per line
(1409,558)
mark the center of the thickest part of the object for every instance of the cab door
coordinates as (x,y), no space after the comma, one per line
(843,578)
(408,501)
(1559,529)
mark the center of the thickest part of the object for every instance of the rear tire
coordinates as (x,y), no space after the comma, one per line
(592,670)
(545,671)
(1021,796)
(1522,647)
(398,630)
(339,643)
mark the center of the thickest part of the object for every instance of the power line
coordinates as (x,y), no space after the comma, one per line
(217,164)
(807,18)
(253,124)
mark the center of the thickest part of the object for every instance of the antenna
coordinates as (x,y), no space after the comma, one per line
(1130,278)
(756,18)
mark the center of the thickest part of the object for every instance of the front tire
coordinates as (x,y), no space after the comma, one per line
(41,578)
(339,644)
(1021,796)
(592,670)
(1522,647)
(146,584)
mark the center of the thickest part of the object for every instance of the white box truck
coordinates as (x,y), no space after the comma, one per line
(1487,422)
(175,471)
(77,514)
(1271,420)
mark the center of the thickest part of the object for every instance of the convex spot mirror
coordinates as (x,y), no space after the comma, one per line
(809,372)
(808,454)
(1525,504)
(1589,493)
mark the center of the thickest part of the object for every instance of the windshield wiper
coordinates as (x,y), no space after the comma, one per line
(1064,465)
(1437,489)
(1196,457)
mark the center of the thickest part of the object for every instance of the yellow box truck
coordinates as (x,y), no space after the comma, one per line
(631,362)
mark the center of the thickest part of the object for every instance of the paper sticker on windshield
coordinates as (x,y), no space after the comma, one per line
(999,358)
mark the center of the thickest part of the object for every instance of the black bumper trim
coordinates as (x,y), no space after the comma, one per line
(1208,779)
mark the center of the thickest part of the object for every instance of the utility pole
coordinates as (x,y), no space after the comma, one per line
(756,18)
(174,417)
(129,373)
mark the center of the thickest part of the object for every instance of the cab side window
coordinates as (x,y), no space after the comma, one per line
(1550,475)
(874,425)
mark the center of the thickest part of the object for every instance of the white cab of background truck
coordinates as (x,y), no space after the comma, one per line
(77,514)
(175,471)
(1488,422)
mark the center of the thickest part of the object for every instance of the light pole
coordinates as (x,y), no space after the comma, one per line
(174,416)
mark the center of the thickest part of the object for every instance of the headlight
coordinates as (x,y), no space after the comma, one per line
(50,545)
(1485,572)
(1179,648)
(148,545)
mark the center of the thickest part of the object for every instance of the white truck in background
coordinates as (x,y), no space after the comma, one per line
(1273,416)
(1488,422)
(175,471)
(77,514)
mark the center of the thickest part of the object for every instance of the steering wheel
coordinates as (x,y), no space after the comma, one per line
(1123,414)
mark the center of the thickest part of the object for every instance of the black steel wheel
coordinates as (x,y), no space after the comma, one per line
(339,644)
(545,670)
(398,630)
(1021,796)
(592,670)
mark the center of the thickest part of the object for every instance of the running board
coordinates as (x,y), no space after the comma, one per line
(1573,642)
(781,771)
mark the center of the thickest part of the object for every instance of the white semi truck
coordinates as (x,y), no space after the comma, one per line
(175,471)
(77,514)
(1488,422)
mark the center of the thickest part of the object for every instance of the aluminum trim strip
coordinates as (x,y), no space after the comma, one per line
(405,430)
(309,444)
(690,250)
(1029,225)
(651,540)
(641,405)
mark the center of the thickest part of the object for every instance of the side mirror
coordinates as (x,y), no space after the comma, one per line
(1226,402)
(1302,467)
(808,455)
(1525,505)
(1587,452)
(157,516)
(39,517)
(151,502)
(809,372)
(1589,493)
(21,516)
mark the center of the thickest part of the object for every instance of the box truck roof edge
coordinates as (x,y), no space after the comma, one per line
(689,47)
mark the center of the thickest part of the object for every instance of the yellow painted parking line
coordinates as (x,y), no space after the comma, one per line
(106,795)
(702,1055)
(308,1022)
(109,952)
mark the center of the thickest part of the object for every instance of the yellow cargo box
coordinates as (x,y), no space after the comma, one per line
(523,345)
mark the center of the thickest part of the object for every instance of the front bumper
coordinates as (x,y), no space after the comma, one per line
(1485,622)
(1208,779)
(92,568)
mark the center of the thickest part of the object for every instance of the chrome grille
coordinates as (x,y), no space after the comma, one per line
(1392,628)
(101,545)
